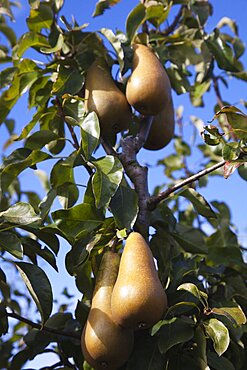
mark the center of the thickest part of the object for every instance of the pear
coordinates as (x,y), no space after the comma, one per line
(138,298)
(106,99)
(162,129)
(105,345)
(148,88)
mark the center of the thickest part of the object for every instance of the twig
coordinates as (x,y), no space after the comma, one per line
(41,327)
(174,24)
(156,199)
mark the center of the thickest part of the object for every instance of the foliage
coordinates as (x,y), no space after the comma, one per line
(204,272)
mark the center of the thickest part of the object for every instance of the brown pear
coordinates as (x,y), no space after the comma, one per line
(162,129)
(148,88)
(138,298)
(106,99)
(105,345)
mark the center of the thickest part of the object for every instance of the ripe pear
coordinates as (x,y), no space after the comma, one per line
(148,88)
(106,99)
(162,129)
(105,345)
(138,298)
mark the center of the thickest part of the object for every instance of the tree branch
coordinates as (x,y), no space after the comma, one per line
(174,24)
(41,327)
(156,199)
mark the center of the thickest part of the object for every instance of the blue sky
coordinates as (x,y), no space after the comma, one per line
(231,191)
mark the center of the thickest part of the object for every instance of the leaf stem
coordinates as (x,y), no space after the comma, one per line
(40,327)
(156,199)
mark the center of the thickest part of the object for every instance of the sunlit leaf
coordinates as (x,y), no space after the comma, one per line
(90,133)
(102,5)
(40,18)
(234,314)
(219,334)
(134,20)
(20,214)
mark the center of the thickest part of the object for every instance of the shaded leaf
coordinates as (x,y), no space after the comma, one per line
(39,139)
(102,5)
(11,243)
(39,287)
(173,332)
(219,334)
(190,239)
(199,202)
(69,80)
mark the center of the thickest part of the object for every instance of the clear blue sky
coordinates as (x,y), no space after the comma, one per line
(232,190)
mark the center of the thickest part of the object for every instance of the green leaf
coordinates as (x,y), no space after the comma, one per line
(39,287)
(56,48)
(237,119)
(6,76)
(242,171)
(20,214)
(219,363)
(28,40)
(134,20)
(40,18)
(69,80)
(219,334)
(173,332)
(116,42)
(124,206)
(8,33)
(39,139)
(90,133)
(102,5)
(234,314)
(190,239)
(199,202)
(17,162)
(11,243)
(106,180)
(78,220)
(222,52)
(192,288)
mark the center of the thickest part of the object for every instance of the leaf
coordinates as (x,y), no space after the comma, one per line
(234,314)
(106,180)
(28,40)
(190,239)
(219,363)
(39,287)
(229,168)
(11,243)
(135,18)
(199,202)
(124,206)
(69,80)
(173,332)
(40,18)
(39,139)
(78,220)
(102,5)
(219,334)
(242,171)
(90,133)
(116,42)
(56,48)
(237,119)
(192,288)
(20,214)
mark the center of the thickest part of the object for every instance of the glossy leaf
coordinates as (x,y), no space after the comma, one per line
(134,20)
(234,314)
(90,133)
(20,214)
(219,334)
(68,80)
(11,243)
(192,288)
(28,40)
(124,206)
(56,48)
(39,287)
(106,180)
(39,139)
(173,332)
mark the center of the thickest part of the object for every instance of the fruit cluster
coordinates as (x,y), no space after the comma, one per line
(148,90)
(128,296)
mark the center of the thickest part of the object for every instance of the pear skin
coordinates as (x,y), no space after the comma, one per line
(106,99)
(105,345)
(148,88)
(162,129)
(138,298)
